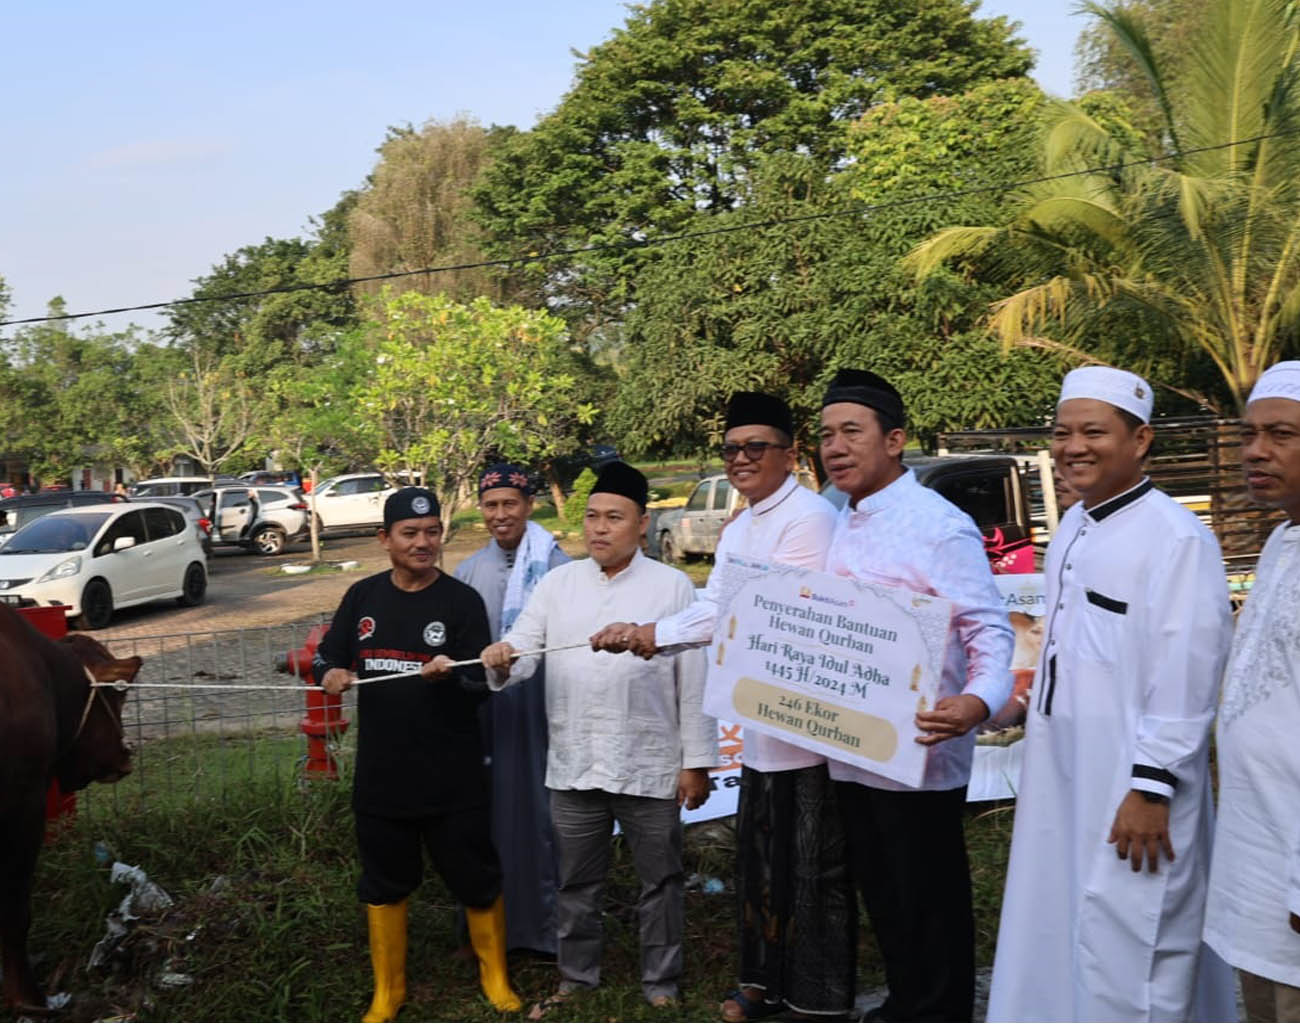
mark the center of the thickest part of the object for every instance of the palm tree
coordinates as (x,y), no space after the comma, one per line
(1196,252)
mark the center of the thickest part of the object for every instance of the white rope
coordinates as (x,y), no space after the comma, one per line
(296,687)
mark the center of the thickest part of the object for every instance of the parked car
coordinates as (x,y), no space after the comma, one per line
(196,513)
(568,468)
(693,529)
(159,486)
(20,510)
(281,517)
(94,559)
(351,501)
(288,478)
(990,489)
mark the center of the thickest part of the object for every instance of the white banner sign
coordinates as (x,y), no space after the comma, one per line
(834,665)
(999,748)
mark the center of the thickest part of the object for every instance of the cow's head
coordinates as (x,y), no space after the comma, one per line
(100,752)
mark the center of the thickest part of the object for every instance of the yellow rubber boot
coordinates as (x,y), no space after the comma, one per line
(388,956)
(487,934)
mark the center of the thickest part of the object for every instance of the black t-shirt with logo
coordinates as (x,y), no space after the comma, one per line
(419,751)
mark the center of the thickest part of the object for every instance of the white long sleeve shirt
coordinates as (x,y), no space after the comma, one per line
(617,723)
(792,526)
(907,535)
(1255,871)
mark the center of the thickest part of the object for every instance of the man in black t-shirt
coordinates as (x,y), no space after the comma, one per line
(419,771)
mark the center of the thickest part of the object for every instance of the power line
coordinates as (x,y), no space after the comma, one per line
(634,244)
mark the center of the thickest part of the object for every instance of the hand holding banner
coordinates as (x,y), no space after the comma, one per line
(834,665)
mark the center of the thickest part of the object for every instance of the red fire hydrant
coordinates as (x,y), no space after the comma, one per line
(52,621)
(324,722)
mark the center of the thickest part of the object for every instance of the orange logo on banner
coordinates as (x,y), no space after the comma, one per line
(730,746)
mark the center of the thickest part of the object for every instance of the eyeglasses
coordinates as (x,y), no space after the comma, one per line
(753,450)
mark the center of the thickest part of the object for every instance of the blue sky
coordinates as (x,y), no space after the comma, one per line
(145,140)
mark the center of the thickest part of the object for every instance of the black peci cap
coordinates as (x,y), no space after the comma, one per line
(410,504)
(750,408)
(620,479)
(505,475)
(867,389)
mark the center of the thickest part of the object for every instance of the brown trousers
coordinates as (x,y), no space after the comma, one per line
(1267,1000)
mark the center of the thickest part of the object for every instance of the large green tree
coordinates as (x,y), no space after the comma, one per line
(262,331)
(415,211)
(1103,60)
(70,396)
(781,307)
(673,114)
(1180,264)
(452,385)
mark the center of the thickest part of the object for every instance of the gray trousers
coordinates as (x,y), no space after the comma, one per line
(584,823)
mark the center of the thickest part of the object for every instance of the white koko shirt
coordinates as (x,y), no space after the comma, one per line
(792,526)
(1255,871)
(1138,628)
(617,723)
(907,535)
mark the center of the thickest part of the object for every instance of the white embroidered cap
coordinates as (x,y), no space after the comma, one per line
(1280,381)
(1120,388)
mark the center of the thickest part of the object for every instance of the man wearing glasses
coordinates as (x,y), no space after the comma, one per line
(795,898)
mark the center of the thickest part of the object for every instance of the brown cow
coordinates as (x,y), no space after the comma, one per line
(53,725)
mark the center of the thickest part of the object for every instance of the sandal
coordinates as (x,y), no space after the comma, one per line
(544,1007)
(744,1009)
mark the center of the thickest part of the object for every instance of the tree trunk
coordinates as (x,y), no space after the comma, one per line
(314,521)
(557,492)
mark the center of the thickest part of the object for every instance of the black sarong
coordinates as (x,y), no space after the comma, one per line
(798,911)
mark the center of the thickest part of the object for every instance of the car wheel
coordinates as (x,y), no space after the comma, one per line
(667,550)
(96,606)
(194,586)
(269,540)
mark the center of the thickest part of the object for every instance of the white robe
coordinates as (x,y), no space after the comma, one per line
(1255,878)
(1138,631)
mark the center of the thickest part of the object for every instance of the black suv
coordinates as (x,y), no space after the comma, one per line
(991,490)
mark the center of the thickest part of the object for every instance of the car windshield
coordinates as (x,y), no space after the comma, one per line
(66,533)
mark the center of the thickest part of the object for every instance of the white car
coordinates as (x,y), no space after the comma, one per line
(97,558)
(281,517)
(351,501)
(175,485)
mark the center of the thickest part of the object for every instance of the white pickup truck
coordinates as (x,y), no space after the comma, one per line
(693,529)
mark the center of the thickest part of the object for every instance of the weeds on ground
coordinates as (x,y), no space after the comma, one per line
(266,925)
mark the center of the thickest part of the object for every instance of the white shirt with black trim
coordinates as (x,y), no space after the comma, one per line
(1138,630)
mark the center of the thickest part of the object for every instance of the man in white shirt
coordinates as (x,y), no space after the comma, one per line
(795,900)
(628,738)
(1116,770)
(1252,917)
(907,845)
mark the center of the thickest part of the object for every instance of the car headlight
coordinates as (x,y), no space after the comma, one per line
(67,568)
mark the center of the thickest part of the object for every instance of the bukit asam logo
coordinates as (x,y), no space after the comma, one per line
(808,594)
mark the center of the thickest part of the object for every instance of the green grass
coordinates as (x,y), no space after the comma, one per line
(664,467)
(262,870)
